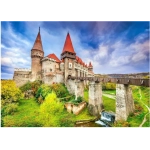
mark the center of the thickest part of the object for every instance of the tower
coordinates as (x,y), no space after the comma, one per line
(68,56)
(37,54)
(90,67)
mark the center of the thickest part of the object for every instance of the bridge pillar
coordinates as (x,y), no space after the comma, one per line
(71,86)
(79,89)
(124,102)
(95,98)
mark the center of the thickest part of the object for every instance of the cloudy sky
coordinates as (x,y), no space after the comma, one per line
(112,47)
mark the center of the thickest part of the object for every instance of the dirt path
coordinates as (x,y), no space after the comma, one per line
(144,120)
(110,96)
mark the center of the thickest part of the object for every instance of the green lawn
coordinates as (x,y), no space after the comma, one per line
(86,96)
(26,116)
(137,117)
(111,92)
(28,112)
(109,104)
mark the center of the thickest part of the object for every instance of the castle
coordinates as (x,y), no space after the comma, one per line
(50,69)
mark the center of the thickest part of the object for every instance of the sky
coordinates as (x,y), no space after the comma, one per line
(112,47)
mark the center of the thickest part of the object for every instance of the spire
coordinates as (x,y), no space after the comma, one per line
(38,42)
(90,65)
(68,45)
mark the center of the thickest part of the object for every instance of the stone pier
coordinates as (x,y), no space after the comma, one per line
(124,102)
(95,98)
(71,86)
(79,88)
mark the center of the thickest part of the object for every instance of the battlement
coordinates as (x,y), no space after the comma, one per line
(50,59)
(22,69)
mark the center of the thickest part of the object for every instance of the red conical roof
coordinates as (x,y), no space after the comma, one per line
(68,47)
(53,56)
(38,42)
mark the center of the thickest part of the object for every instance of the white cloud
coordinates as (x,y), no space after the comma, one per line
(6,61)
(101,53)
(139,57)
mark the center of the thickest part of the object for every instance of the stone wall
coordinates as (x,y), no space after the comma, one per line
(75,109)
(21,77)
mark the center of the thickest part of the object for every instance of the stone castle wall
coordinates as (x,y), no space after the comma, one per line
(21,76)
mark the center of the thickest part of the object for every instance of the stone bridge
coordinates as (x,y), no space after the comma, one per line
(124,99)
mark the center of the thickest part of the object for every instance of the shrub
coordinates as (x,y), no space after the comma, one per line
(10,92)
(108,86)
(26,87)
(60,90)
(34,86)
(42,92)
(51,111)
(9,109)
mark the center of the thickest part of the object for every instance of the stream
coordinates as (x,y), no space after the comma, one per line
(106,120)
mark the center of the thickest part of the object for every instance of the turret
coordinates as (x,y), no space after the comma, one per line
(90,67)
(68,56)
(37,54)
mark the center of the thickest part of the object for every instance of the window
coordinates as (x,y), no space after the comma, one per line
(70,65)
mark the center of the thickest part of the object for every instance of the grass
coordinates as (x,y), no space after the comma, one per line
(137,117)
(109,104)
(111,92)
(28,112)
(147,123)
(26,116)
(86,96)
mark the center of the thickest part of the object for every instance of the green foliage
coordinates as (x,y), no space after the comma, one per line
(25,87)
(76,102)
(26,115)
(137,117)
(121,124)
(9,109)
(109,86)
(10,92)
(51,111)
(42,92)
(31,86)
(60,90)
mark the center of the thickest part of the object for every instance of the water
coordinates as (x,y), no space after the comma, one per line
(106,120)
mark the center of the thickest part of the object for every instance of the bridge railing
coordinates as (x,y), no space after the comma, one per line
(129,81)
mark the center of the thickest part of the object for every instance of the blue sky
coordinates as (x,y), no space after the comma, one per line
(112,47)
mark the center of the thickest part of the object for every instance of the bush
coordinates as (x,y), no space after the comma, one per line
(76,102)
(34,86)
(26,87)
(10,92)
(60,90)
(9,109)
(42,92)
(109,86)
(51,111)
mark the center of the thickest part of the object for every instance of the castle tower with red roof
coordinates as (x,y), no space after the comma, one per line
(68,56)
(50,69)
(37,54)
